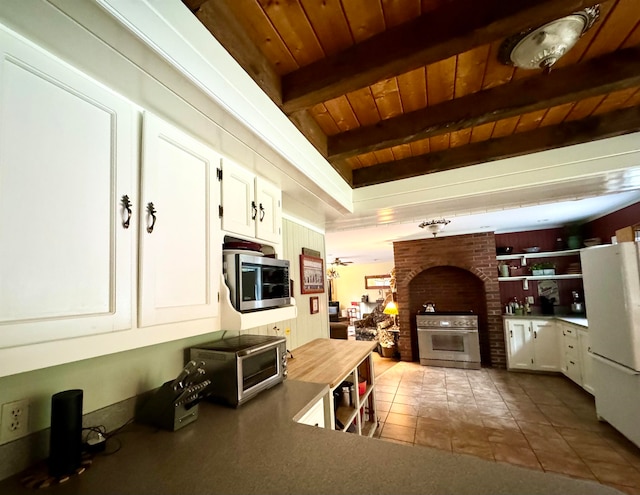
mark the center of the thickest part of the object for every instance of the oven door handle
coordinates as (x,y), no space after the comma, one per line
(449,330)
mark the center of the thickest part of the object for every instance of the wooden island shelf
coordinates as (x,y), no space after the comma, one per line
(332,361)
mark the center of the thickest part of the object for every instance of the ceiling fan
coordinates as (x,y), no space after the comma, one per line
(339,262)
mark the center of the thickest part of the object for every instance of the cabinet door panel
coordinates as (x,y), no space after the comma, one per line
(66,158)
(238,190)
(520,346)
(177,257)
(546,346)
(269,219)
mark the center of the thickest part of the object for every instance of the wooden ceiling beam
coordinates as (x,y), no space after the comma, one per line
(221,22)
(606,74)
(545,138)
(454,28)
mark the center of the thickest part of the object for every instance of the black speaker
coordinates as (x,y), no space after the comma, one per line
(65,442)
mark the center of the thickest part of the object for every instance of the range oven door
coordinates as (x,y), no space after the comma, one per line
(445,347)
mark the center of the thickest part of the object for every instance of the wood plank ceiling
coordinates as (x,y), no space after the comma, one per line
(391,89)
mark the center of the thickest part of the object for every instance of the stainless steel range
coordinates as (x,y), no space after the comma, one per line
(449,340)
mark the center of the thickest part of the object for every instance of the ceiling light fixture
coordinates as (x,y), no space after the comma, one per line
(540,48)
(434,226)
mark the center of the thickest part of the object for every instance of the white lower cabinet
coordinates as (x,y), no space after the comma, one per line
(549,345)
(546,349)
(577,363)
(571,353)
(532,344)
(180,246)
(68,158)
(315,415)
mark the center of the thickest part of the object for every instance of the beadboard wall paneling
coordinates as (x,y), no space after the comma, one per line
(306,327)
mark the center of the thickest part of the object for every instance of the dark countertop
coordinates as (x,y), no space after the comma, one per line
(258,448)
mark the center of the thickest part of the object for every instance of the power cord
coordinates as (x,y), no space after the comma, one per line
(96,439)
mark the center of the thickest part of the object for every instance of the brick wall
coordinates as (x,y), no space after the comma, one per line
(457,273)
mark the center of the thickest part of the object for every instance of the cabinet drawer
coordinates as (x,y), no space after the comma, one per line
(573,369)
(571,347)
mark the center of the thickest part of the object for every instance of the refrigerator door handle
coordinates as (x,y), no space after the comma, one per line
(613,364)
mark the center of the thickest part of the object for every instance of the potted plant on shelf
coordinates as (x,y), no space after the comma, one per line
(544,268)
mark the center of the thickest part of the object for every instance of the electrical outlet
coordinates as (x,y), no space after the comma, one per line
(15,420)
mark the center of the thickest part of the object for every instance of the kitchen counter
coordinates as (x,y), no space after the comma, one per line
(327,361)
(259,448)
(569,318)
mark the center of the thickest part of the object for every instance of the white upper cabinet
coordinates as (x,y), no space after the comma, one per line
(251,206)
(269,219)
(180,245)
(67,158)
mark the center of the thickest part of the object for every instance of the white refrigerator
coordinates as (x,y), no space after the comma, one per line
(611,276)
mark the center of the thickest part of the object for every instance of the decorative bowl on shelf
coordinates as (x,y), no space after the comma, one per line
(532,249)
(594,241)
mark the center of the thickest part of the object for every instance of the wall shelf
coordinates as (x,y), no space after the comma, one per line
(523,262)
(231,319)
(547,254)
(525,279)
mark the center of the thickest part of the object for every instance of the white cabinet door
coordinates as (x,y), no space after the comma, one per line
(180,249)
(520,348)
(67,157)
(252,206)
(269,219)
(239,207)
(586,364)
(546,345)
(315,415)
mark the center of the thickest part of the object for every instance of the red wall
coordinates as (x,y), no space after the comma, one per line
(606,226)
(603,227)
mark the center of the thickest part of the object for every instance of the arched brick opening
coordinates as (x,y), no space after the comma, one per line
(458,273)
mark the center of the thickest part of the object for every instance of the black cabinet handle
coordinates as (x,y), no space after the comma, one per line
(126,205)
(261,212)
(151,211)
(254,209)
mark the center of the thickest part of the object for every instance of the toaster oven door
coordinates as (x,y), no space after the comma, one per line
(258,371)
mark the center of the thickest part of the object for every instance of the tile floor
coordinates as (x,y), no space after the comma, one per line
(542,422)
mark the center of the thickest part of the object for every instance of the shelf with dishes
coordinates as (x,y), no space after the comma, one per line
(543,270)
(537,254)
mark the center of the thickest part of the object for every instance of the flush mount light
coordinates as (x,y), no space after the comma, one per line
(541,47)
(434,226)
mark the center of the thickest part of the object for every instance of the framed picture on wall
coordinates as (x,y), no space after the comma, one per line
(314,305)
(377,281)
(311,275)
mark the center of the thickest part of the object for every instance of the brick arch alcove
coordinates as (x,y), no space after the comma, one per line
(462,272)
